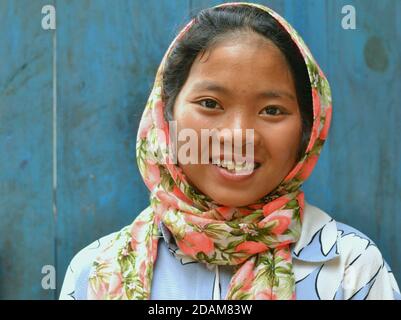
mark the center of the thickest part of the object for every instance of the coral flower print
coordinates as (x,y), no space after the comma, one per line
(251,247)
(308,167)
(195,242)
(275,205)
(326,126)
(266,294)
(153,175)
(282,224)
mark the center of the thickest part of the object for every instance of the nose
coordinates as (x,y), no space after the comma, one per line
(239,128)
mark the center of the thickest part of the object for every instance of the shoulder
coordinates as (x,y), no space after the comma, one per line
(354,243)
(87,254)
(77,274)
(340,238)
(365,273)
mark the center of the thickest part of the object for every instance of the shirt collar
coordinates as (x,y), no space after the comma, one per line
(318,241)
(319,237)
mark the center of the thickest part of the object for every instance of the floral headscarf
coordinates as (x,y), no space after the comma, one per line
(255,239)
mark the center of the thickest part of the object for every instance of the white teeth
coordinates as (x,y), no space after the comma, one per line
(237,167)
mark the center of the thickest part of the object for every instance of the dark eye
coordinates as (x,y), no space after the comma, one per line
(208,103)
(272,110)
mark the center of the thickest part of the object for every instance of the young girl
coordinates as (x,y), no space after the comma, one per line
(228,233)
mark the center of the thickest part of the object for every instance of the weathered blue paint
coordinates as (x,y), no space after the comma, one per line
(26,218)
(108,53)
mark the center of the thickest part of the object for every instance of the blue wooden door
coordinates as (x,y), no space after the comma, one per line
(71,100)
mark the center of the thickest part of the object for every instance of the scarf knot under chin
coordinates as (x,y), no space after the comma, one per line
(256,241)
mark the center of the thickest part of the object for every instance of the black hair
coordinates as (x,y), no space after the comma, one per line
(214,24)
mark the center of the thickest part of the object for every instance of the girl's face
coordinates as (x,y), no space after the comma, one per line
(242,83)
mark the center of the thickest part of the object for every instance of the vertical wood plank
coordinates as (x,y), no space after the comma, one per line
(27,225)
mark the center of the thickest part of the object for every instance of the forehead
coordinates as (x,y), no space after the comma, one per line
(243,61)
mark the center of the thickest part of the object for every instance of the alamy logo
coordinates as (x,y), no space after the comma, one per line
(49,280)
(49,18)
(349,20)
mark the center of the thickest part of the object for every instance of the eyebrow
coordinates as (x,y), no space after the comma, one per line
(212,86)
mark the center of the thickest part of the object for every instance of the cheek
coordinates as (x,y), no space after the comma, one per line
(283,140)
(191,121)
(189,127)
(190,118)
